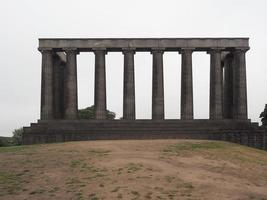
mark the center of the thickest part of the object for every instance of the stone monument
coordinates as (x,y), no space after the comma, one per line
(228,116)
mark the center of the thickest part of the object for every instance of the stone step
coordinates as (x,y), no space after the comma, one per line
(147,124)
(242,132)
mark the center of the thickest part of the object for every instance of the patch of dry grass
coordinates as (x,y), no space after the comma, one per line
(143,169)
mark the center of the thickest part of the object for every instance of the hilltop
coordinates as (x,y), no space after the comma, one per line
(133,169)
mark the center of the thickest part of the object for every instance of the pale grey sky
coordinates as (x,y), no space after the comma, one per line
(24,21)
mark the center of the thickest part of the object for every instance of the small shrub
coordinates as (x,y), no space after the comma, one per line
(89,113)
(263,116)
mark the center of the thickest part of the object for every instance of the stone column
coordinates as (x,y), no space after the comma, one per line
(215,84)
(157,85)
(100,84)
(59,71)
(186,85)
(228,87)
(240,84)
(47,84)
(129,86)
(71,98)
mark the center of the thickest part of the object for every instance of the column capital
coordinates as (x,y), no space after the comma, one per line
(45,49)
(215,50)
(71,50)
(241,49)
(99,50)
(157,50)
(186,50)
(128,50)
(228,55)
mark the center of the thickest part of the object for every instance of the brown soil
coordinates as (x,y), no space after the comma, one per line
(134,169)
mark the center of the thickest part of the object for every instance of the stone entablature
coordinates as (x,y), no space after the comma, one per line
(144,44)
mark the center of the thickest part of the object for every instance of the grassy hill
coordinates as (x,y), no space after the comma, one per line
(135,169)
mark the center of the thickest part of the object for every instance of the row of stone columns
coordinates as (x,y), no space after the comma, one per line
(228,96)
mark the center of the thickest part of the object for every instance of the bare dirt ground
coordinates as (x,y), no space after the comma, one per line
(134,169)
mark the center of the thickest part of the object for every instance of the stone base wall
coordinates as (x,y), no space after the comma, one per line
(242,132)
(253,138)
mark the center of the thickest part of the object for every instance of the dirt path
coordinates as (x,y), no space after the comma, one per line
(133,169)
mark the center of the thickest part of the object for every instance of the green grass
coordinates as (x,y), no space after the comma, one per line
(73,181)
(133,167)
(195,147)
(14,149)
(37,191)
(135,194)
(10,183)
(75,163)
(169,179)
(212,149)
(99,152)
(22,149)
(93,197)
(188,146)
(79,196)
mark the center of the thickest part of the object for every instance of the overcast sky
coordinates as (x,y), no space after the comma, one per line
(24,21)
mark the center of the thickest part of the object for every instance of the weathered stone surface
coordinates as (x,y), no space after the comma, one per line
(116,44)
(186,85)
(264,140)
(228,87)
(68,130)
(100,84)
(157,85)
(71,97)
(47,84)
(59,62)
(215,84)
(240,84)
(128,85)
